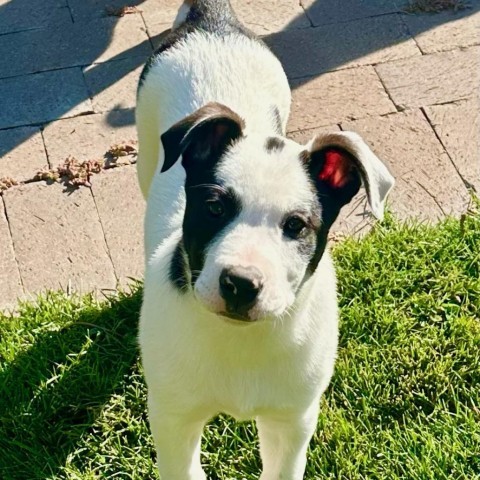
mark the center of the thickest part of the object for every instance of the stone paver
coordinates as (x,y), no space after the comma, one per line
(84,11)
(458,127)
(87,137)
(355,218)
(445,31)
(335,11)
(21,153)
(16,16)
(427,184)
(72,45)
(122,208)
(10,283)
(156,31)
(113,85)
(58,239)
(264,17)
(360,42)
(337,96)
(432,79)
(159,12)
(261,16)
(304,136)
(43,97)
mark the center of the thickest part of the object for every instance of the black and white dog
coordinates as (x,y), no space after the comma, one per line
(239,312)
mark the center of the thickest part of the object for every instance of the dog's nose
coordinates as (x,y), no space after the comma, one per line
(240,286)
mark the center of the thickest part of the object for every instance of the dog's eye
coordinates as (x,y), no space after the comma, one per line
(215,208)
(294,226)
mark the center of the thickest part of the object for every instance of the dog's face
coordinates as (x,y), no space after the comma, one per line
(258,209)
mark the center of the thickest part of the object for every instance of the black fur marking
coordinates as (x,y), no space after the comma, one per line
(330,210)
(200,228)
(308,241)
(312,247)
(178,268)
(278,120)
(330,200)
(274,143)
(212,16)
(203,135)
(321,245)
(201,139)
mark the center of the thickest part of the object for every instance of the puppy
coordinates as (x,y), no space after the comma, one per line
(239,312)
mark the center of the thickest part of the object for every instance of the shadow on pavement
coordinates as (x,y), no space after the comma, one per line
(305,53)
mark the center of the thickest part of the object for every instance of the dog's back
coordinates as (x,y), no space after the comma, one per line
(208,56)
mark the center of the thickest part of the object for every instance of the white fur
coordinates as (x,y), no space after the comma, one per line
(196,362)
(183,80)
(198,365)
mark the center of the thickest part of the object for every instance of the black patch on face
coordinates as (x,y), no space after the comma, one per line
(213,16)
(311,246)
(201,140)
(321,244)
(178,268)
(307,240)
(274,143)
(329,213)
(200,226)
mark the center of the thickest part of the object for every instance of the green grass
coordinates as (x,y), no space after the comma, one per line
(404,402)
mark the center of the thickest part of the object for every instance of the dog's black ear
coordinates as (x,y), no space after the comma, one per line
(338,163)
(204,134)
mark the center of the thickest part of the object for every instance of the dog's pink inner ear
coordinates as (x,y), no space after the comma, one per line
(336,168)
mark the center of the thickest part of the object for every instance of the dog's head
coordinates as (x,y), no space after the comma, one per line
(258,209)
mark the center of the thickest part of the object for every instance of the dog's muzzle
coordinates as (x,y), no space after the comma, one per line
(240,287)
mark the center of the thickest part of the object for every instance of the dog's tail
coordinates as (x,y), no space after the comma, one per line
(211,11)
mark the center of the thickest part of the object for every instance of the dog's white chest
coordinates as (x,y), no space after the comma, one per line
(208,364)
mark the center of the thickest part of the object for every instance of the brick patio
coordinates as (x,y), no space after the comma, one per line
(68,71)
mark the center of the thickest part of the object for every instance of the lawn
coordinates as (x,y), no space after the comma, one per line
(404,402)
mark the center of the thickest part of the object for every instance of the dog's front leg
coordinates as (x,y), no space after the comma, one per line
(177,441)
(284,441)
